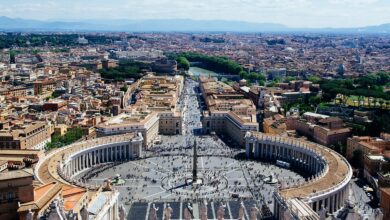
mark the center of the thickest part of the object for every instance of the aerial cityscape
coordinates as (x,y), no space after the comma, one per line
(174,110)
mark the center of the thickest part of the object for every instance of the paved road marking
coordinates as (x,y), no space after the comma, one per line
(237,169)
(231,164)
(212,209)
(229,211)
(167,196)
(158,165)
(133,186)
(246,213)
(147,212)
(155,194)
(181,211)
(149,168)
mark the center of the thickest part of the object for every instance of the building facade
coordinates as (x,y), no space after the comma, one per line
(29,136)
(154,112)
(228,112)
(15,187)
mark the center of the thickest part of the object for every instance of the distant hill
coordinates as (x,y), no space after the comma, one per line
(169,25)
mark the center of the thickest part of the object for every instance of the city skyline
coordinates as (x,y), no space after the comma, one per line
(175,109)
(292,13)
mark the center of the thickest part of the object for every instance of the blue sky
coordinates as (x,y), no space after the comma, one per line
(293,13)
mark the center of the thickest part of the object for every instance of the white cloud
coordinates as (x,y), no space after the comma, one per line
(307,13)
(353,2)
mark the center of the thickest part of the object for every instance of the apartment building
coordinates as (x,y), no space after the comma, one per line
(367,145)
(228,112)
(15,187)
(275,124)
(154,111)
(26,136)
(44,87)
(374,155)
(323,130)
(16,91)
(144,122)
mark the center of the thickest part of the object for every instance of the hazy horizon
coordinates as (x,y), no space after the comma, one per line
(291,13)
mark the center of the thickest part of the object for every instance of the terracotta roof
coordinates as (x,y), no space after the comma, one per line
(43,196)
(72,196)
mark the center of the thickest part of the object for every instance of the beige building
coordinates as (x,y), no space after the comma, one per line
(367,145)
(154,112)
(275,124)
(228,111)
(326,131)
(24,157)
(15,187)
(3,165)
(60,129)
(28,136)
(16,91)
(44,87)
(373,154)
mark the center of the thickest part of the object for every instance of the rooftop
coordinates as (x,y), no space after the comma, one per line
(43,195)
(17,174)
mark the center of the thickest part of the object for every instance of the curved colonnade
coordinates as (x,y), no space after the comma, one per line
(63,164)
(326,189)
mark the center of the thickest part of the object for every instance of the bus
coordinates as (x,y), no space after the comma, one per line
(282,164)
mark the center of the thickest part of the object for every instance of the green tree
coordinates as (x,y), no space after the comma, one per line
(183,63)
(123,88)
(289,79)
(70,137)
(314,100)
(125,69)
(314,79)
(214,63)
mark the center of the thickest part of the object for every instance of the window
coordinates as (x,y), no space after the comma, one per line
(10,195)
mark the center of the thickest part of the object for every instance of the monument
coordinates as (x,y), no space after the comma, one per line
(188,212)
(254,212)
(221,212)
(203,210)
(153,212)
(241,211)
(196,181)
(168,212)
